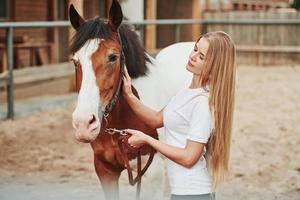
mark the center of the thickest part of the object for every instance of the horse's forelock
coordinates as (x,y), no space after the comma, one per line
(134,52)
(93,28)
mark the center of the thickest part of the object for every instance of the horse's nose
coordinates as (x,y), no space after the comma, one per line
(93,124)
(92,119)
(75,123)
(83,121)
(86,128)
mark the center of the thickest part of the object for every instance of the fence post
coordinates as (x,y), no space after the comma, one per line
(204,28)
(141,30)
(177,32)
(10,80)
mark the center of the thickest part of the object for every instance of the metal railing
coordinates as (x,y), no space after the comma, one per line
(10,26)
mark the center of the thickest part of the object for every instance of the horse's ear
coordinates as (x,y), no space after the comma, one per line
(115,15)
(75,19)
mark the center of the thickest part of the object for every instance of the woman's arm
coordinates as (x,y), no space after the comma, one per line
(186,157)
(152,118)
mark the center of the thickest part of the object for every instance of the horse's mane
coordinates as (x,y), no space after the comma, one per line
(135,54)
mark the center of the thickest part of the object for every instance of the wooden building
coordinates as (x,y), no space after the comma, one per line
(38,46)
(49,45)
(260,4)
(31,46)
(159,36)
(244,5)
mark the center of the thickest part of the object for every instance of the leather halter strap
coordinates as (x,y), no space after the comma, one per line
(109,107)
(125,150)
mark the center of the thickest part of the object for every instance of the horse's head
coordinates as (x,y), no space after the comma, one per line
(96,54)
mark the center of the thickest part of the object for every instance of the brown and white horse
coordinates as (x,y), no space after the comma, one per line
(100,47)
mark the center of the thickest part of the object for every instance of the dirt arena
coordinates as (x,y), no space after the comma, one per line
(40,158)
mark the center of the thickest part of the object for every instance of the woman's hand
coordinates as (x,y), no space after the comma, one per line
(127,92)
(137,138)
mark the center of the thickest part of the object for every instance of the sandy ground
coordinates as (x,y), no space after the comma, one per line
(40,159)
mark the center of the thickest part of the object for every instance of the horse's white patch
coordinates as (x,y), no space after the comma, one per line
(167,74)
(89,95)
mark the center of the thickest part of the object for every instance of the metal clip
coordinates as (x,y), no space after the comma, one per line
(105,118)
(113,131)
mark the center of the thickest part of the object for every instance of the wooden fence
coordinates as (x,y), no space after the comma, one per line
(261,44)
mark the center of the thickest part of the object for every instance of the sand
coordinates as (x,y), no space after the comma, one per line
(265,161)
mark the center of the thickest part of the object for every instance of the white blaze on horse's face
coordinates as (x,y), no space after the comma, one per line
(86,117)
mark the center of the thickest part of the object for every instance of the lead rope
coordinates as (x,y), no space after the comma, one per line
(139,171)
(124,147)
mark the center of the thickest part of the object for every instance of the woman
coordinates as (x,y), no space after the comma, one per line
(197,120)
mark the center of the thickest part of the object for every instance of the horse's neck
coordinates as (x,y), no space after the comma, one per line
(121,112)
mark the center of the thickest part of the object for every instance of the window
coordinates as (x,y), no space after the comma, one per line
(4,10)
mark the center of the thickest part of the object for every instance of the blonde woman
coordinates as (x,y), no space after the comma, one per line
(197,120)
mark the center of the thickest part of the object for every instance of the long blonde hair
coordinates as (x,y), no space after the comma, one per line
(219,74)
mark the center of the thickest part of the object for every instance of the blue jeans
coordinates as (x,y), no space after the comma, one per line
(194,197)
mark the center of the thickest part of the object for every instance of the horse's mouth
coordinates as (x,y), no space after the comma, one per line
(87,135)
(85,140)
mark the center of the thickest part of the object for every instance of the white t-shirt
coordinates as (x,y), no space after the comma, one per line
(187,116)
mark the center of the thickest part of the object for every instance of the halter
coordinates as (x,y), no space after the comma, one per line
(109,107)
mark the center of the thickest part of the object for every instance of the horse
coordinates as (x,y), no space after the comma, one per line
(101,48)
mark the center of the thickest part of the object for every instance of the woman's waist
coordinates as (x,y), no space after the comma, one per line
(197,172)
(196,183)
(199,165)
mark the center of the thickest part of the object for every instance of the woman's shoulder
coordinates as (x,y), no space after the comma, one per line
(188,99)
(201,91)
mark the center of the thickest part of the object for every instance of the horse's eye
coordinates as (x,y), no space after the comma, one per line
(112,58)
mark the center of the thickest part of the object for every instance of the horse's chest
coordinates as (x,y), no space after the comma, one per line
(107,149)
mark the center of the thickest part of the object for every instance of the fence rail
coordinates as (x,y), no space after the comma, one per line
(10,26)
(49,24)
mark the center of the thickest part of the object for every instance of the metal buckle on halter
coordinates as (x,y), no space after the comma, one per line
(113,131)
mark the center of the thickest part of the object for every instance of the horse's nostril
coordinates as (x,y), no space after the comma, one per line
(92,120)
